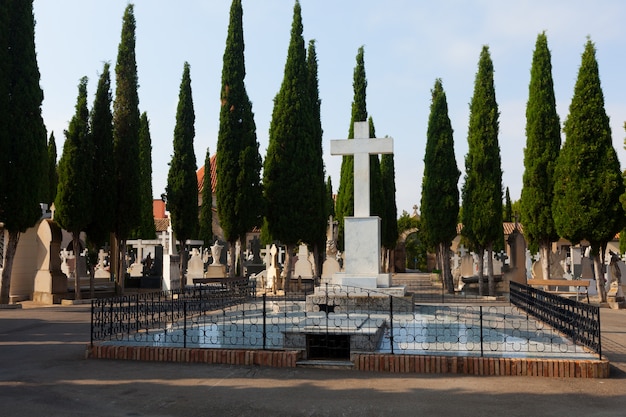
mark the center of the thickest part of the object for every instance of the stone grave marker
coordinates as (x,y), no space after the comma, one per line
(195,266)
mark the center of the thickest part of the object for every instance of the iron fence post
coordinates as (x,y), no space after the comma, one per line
(391,322)
(481,332)
(264,321)
(599,336)
(91,325)
(111,317)
(184,323)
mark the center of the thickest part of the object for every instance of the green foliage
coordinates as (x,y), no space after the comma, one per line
(74,207)
(23,153)
(389,222)
(53,176)
(206,208)
(4,102)
(345,195)
(314,215)
(23,136)
(415,248)
(182,184)
(586,201)
(239,192)
(482,190)
(377,203)
(407,222)
(543,142)
(126,131)
(507,215)
(329,202)
(147,228)
(440,192)
(290,151)
(103,184)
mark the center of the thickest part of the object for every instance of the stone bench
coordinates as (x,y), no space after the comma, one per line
(548,284)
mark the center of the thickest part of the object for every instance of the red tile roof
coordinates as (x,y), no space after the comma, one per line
(200,175)
(158,209)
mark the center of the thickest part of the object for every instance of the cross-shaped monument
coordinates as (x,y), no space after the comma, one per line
(362,146)
(362,232)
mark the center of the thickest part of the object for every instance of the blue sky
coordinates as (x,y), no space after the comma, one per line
(408,44)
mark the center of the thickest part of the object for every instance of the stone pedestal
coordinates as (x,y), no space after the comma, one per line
(615,297)
(215,271)
(362,255)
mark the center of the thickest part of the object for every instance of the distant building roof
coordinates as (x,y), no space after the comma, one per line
(161,225)
(158,209)
(200,175)
(507,228)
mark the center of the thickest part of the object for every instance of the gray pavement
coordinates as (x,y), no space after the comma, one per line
(43,372)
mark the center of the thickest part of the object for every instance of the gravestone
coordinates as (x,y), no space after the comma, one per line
(330,265)
(216,269)
(256,265)
(467,266)
(362,232)
(50,282)
(102,269)
(302,278)
(615,295)
(303,267)
(195,266)
(517,258)
(272,279)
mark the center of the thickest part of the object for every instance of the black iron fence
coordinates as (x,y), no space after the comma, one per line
(117,318)
(328,324)
(578,321)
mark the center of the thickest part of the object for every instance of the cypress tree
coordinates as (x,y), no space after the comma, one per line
(622,235)
(53,177)
(482,190)
(316,215)
(104,184)
(329,205)
(126,141)
(147,228)
(239,193)
(543,142)
(22,131)
(74,207)
(182,183)
(4,102)
(289,151)
(206,207)
(390,215)
(345,195)
(440,192)
(586,196)
(377,203)
(508,207)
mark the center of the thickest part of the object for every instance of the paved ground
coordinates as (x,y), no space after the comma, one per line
(43,372)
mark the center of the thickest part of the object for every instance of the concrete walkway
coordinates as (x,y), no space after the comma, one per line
(43,372)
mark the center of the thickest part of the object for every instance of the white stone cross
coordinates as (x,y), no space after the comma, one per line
(362,146)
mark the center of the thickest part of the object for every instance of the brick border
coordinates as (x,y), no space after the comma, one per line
(271,358)
(465,365)
(419,364)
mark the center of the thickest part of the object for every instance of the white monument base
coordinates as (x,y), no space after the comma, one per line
(362,281)
(215,271)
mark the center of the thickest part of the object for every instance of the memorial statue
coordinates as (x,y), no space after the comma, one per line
(216,251)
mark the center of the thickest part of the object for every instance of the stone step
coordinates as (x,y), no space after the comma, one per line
(325,364)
